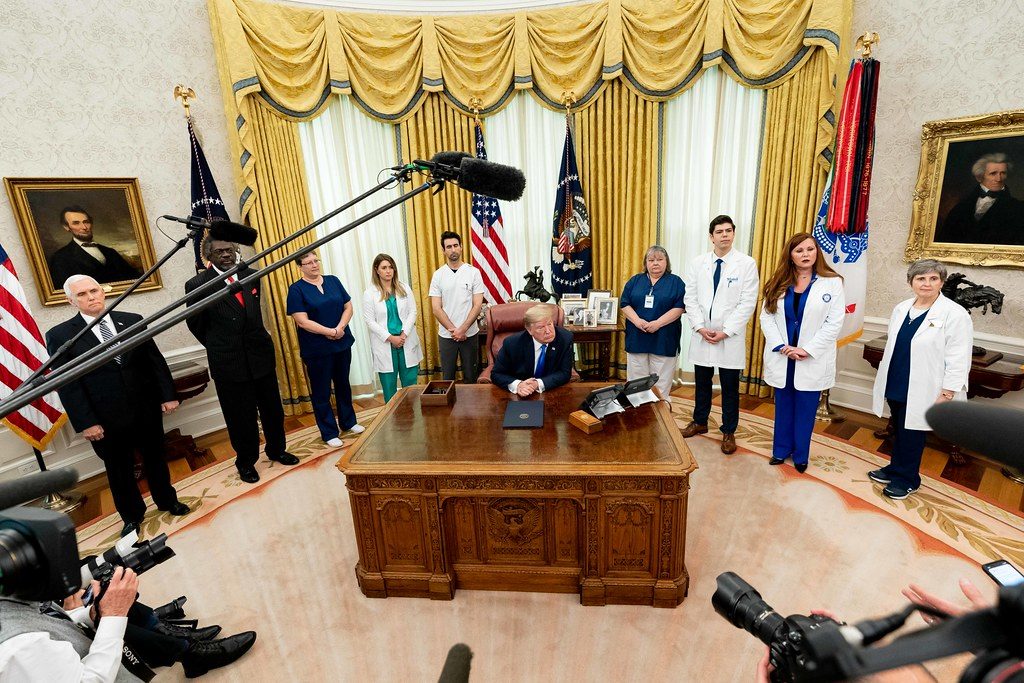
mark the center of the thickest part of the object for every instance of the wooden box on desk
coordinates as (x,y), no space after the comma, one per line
(438,393)
(585,422)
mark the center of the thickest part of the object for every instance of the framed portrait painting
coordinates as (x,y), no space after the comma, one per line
(87,226)
(969,201)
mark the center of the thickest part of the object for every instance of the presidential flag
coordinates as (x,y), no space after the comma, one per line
(22,352)
(206,201)
(571,266)
(488,234)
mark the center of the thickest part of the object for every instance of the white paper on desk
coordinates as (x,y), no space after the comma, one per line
(601,410)
(642,397)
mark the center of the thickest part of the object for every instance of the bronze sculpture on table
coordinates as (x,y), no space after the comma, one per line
(971,296)
(534,288)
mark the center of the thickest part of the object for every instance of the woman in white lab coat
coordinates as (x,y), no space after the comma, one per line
(390,314)
(927,360)
(802,314)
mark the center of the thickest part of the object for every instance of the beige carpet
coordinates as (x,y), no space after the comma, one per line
(280,559)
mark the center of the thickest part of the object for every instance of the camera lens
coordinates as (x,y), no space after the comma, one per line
(742,606)
(18,563)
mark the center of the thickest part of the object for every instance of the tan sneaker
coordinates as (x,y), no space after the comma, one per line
(693,429)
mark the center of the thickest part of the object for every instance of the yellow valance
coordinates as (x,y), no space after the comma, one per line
(295,57)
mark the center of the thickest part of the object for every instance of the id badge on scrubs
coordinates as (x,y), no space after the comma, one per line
(649,301)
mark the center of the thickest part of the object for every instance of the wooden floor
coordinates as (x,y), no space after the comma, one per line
(977,475)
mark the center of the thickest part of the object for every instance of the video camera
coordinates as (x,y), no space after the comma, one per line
(816,648)
(39,551)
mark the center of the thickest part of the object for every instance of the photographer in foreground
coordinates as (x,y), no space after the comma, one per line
(117,640)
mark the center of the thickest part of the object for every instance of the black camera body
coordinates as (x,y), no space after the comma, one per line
(38,554)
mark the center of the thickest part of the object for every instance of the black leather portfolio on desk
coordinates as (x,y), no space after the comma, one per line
(524,415)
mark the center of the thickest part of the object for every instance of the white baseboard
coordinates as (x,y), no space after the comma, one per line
(855,377)
(197,416)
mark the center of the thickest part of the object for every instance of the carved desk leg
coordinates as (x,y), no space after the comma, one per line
(441,585)
(371,582)
(592,591)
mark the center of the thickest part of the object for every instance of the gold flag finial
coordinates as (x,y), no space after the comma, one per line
(184,93)
(475,104)
(865,42)
(568,99)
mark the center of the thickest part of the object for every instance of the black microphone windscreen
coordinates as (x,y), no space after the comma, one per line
(456,665)
(993,432)
(36,485)
(449,158)
(226,231)
(491,180)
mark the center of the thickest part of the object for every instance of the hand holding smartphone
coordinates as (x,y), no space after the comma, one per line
(1003,573)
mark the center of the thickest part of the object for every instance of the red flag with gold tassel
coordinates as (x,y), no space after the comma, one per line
(848,208)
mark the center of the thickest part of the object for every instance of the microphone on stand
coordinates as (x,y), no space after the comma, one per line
(225,231)
(477,175)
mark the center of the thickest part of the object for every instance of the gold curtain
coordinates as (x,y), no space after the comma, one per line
(617,150)
(280,208)
(793,171)
(435,127)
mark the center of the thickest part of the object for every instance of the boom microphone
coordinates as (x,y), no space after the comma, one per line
(994,432)
(36,485)
(491,180)
(222,230)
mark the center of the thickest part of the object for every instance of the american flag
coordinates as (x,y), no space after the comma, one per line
(22,352)
(489,253)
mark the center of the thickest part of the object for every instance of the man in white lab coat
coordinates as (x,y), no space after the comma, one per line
(721,293)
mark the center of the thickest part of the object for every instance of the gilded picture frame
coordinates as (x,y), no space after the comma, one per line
(92,226)
(949,221)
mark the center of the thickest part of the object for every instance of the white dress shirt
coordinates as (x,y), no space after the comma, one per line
(34,657)
(96,330)
(536,356)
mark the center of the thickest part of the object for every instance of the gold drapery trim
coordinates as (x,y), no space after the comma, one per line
(296,56)
(792,178)
(281,208)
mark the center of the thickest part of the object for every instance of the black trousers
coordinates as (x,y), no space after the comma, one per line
(451,351)
(117,450)
(243,403)
(907,448)
(730,380)
(155,649)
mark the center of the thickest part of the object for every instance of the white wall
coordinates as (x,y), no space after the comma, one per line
(939,60)
(86,87)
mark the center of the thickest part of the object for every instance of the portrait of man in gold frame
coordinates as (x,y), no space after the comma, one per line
(89,226)
(969,201)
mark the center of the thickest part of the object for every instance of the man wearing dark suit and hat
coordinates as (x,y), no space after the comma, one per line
(83,256)
(988,214)
(118,407)
(242,361)
(537,359)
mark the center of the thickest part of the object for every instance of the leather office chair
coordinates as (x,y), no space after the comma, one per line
(506,319)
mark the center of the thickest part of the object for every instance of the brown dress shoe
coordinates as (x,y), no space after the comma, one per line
(693,429)
(728,443)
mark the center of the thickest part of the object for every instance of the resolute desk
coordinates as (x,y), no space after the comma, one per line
(444,498)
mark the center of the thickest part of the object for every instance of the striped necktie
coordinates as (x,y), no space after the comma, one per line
(107,333)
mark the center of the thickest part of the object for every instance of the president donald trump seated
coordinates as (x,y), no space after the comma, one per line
(539,358)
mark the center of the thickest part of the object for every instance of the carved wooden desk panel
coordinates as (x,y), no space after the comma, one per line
(444,498)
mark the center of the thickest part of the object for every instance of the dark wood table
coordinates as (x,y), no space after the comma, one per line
(190,380)
(603,336)
(444,498)
(988,381)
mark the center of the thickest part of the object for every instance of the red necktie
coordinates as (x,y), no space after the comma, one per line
(238,294)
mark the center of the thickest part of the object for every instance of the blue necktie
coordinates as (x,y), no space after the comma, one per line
(540,361)
(718,275)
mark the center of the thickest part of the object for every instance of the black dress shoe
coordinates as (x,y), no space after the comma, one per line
(776,461)
(190,632)
(129,527)
(172,610)
(203,655)
(801,467)
(285,458)
(178,509)
(248,474)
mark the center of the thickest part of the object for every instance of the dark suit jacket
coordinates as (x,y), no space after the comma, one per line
(111,395)
(1003,223)
(72,259)
(238,346)
(515,360)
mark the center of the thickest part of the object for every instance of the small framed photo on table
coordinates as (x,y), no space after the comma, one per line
(572,310)
(608,311)
(595,294)
(589,317)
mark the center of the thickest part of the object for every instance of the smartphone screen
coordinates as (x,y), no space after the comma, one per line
(1004,573)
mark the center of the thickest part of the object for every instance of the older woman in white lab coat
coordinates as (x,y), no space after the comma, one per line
(927,360)
(390,314)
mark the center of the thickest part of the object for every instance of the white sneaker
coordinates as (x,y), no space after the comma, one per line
(357,429)
(335,442)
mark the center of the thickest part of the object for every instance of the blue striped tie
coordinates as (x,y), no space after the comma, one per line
(107,335)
